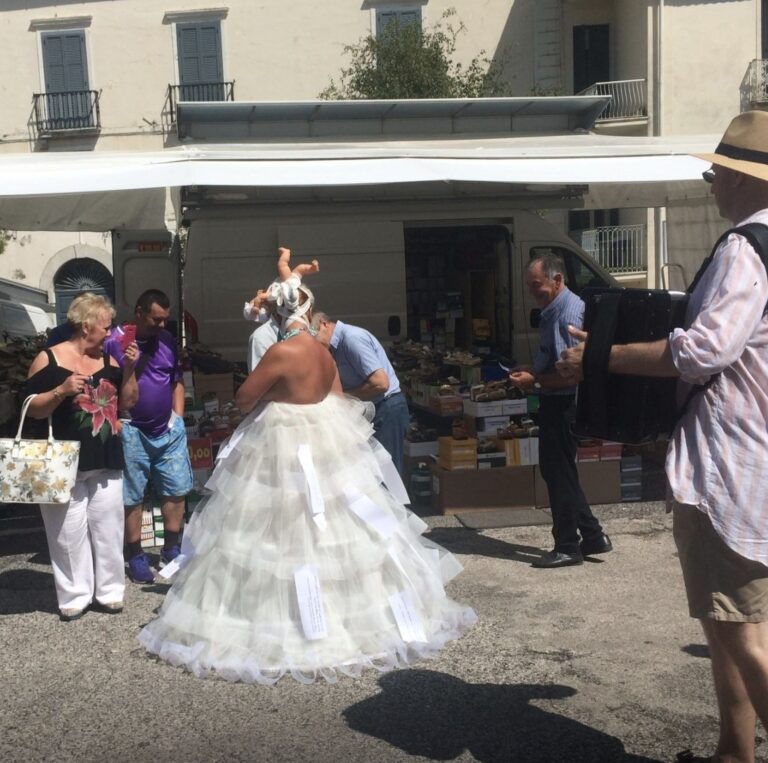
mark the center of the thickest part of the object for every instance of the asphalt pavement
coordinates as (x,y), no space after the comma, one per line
(595,663)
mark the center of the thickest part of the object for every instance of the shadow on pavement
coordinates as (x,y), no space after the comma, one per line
(460,540)
(24,591)
(24,542)
(437,716)
(696,650)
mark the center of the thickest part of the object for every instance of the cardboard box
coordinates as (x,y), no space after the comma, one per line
(484,425)
(491,408)
(452,464)
(611,451)
(587,453)
(599,480)
(522,451)
(514,407)
(221,385)
(447,405)
(447,447)
(632,464)
(506,487)
(417,449)
(491,460)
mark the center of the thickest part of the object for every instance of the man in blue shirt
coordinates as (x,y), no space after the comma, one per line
(366,373)
(571,514)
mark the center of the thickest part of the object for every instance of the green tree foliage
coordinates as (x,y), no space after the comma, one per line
(406,61)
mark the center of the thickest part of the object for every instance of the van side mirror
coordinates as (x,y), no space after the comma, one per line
(535,318)
(393,325)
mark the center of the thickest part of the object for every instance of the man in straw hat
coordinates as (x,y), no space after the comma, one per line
(717,462)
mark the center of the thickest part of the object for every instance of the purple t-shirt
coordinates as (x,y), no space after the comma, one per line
(156,382)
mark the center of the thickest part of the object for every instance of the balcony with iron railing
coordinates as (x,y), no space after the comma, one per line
(754,87)
(629,99)
(197,92)
(620,249)
(65,112)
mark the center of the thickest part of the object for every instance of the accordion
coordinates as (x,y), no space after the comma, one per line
(629,409)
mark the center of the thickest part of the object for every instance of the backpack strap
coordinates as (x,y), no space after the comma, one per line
(757,235)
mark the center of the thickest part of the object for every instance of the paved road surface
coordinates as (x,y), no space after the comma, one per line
(593,663)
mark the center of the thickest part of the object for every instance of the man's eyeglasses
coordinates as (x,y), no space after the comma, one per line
(708,175)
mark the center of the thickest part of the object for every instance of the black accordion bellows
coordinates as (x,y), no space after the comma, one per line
(628,409)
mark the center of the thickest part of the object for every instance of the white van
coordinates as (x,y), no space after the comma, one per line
(19,320)
(385,266)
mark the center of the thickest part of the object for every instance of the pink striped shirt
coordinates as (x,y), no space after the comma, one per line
(718,457)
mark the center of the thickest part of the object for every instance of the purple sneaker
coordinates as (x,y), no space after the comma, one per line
(167,555)
(139,570)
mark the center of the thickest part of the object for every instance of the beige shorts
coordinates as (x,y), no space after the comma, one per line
(721,584)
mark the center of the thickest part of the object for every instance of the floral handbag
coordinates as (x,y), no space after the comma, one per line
(37,471)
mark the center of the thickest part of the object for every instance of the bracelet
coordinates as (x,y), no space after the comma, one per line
(57,394)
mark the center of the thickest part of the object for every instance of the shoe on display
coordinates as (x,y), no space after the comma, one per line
(557,559)
(139,570)
(600,545)
(167,555)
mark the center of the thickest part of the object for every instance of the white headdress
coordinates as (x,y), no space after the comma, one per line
(285,296)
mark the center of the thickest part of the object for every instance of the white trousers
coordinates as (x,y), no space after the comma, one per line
(85,540)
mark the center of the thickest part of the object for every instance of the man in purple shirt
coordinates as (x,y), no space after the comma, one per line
(154,439)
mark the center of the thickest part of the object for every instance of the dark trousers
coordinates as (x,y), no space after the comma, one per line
(390,425)
(571,514)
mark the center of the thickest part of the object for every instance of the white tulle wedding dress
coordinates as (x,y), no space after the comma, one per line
(303,562)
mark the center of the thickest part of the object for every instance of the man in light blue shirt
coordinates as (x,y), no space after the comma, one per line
(366,373)
(576,530)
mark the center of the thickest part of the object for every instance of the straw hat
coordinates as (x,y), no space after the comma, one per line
(744,146)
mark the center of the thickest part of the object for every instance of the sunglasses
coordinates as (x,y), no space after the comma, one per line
(708,175)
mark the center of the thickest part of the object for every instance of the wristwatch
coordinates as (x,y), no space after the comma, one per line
(536,386)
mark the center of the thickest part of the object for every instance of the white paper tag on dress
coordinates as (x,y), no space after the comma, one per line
(406,617)
(172,567)
(310,602)
(369,511)
(228,445)
(314,496)
(391,476)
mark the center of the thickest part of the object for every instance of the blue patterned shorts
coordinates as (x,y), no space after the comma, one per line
(163,459)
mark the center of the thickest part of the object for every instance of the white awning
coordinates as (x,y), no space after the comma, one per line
(103,191)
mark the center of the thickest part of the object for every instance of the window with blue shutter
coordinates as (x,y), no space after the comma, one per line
(201,71)
(404,17)
(65,68)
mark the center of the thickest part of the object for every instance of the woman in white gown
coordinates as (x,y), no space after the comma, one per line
(303,561)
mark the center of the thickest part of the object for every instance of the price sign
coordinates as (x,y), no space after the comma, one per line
(200,452)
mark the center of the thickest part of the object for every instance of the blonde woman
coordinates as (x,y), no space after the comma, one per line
(82,389)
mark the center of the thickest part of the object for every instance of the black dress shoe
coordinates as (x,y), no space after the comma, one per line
(601,545)
(557,559)
(686,756)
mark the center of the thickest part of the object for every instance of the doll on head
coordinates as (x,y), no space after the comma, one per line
(283,268)
(262,306)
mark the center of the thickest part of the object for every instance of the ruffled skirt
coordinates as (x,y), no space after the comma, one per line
(304,563)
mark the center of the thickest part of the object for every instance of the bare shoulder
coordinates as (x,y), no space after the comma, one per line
(40,362)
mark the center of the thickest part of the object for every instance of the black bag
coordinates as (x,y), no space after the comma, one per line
(637,409)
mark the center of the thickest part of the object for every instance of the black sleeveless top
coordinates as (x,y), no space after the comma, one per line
(75,417)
